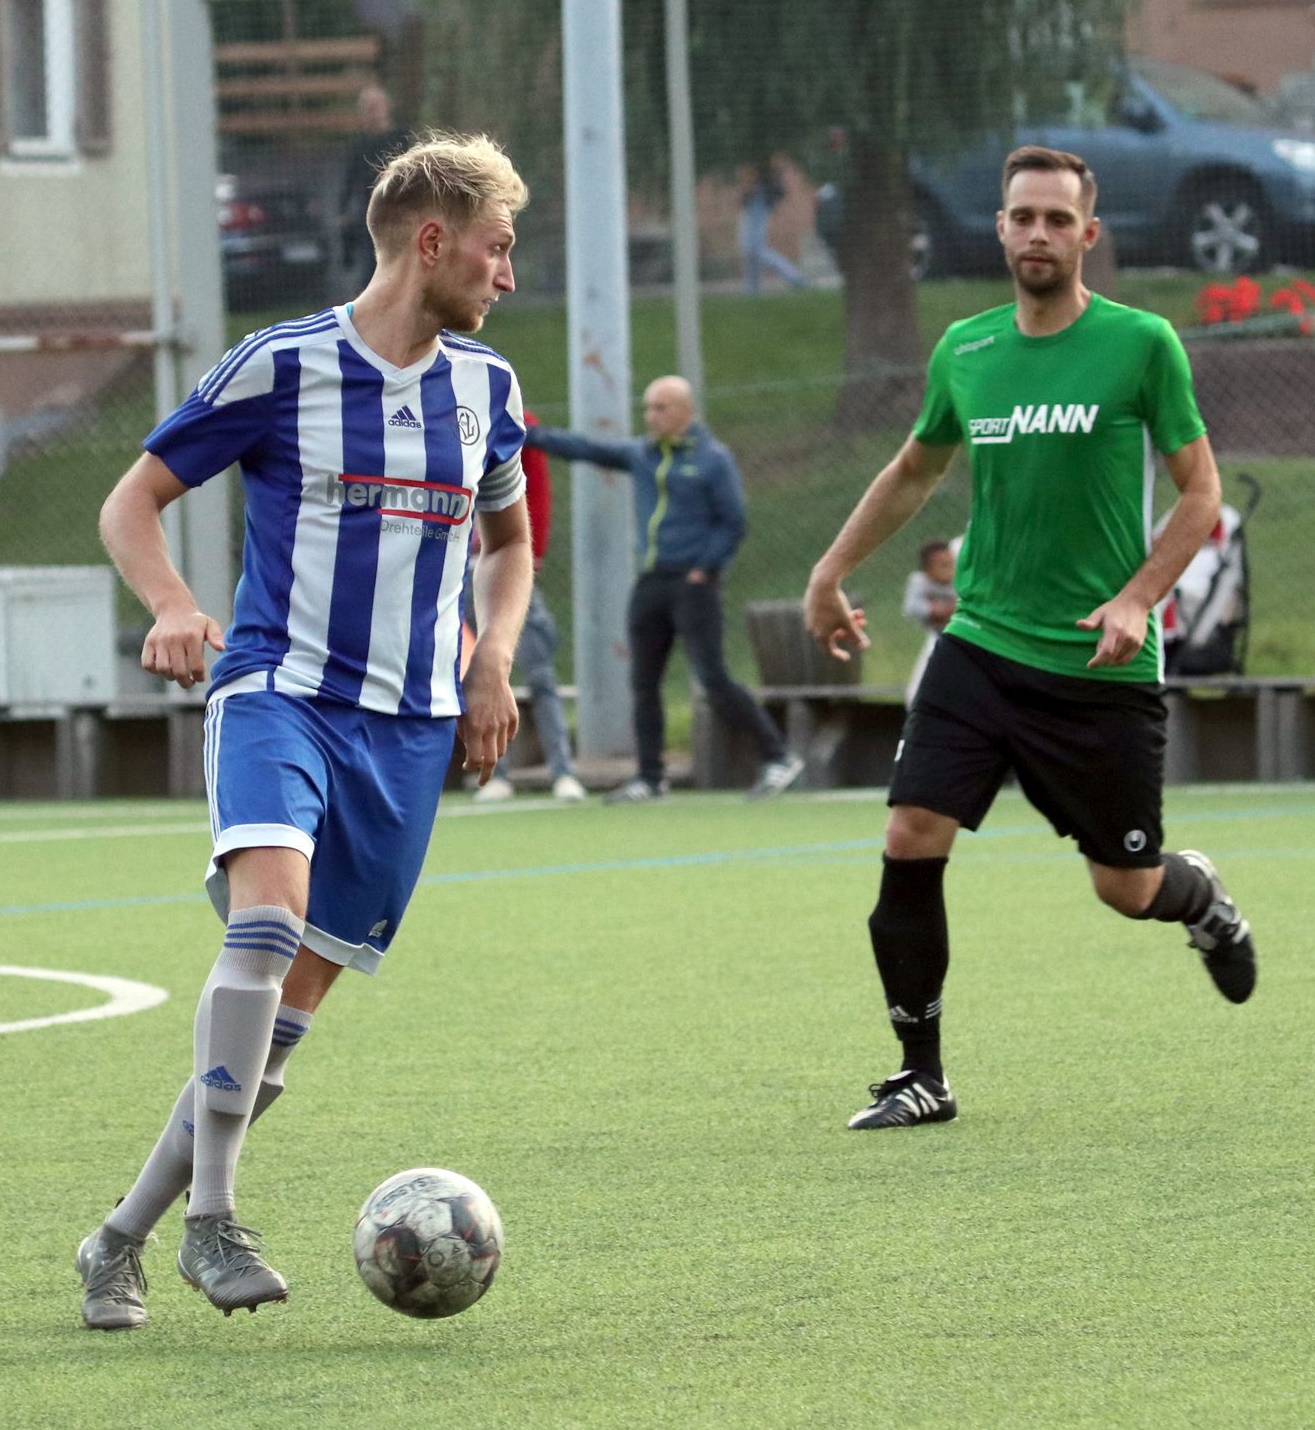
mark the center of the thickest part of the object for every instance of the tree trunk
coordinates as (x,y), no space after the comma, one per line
(883,345)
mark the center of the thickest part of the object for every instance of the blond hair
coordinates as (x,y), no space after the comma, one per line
(455,175)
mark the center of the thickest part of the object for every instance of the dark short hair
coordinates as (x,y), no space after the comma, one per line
(928,549)
(1051,161)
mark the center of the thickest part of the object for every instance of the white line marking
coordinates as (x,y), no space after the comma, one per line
(111,831)
(126,997)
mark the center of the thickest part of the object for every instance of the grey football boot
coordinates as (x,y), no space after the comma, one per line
(223,1260)
(111,1269)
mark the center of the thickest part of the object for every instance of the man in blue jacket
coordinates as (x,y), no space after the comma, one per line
(689,520)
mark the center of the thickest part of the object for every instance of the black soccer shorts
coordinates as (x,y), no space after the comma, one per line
(1088,754)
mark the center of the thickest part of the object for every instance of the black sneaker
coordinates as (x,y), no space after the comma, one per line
(1222,937)
(905,1100)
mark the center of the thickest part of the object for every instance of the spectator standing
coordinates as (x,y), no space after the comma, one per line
(1051,666)
(689,522)
(377,141)
(535,651)
(763,191)
(929,601)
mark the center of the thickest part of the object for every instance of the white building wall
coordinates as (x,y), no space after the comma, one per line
(76,230)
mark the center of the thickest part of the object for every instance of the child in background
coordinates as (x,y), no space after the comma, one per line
(929,600)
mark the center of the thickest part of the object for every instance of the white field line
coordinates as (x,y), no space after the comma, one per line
(126,996)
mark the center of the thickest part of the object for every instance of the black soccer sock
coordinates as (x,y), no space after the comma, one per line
(1183,896)
(911,943)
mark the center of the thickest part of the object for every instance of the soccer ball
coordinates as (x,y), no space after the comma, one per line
(428,1242)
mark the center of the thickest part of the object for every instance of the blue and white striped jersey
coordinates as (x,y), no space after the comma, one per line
(361,480)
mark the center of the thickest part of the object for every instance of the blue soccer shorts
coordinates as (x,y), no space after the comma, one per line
(354,790)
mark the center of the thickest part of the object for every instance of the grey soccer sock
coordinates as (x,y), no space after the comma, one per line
(168,1170)
(290,1026)
(234,1029)
(164,1178)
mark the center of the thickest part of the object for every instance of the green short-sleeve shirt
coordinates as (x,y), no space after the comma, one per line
(1061,433)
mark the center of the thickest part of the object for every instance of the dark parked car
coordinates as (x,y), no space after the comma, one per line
(273,242)
(1192,171)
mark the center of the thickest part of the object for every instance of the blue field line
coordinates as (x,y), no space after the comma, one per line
(847,849)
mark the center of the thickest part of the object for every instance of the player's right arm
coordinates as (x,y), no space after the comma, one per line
(897,493)
(133,534)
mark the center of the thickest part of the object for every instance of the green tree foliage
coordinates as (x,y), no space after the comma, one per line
(897,77)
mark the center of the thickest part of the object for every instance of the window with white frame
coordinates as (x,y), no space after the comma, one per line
(54,78)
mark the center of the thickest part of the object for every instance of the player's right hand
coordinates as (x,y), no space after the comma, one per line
(833,622)
(175,646)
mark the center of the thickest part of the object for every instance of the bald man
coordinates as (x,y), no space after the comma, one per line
(689,521)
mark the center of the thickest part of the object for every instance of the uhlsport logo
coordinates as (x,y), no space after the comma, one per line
(1043,418)
(1134,841)
(404,417)
(429,501)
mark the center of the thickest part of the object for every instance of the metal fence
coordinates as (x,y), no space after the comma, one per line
(812,343)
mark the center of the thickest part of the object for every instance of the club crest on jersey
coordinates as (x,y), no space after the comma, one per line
(1033,420)
(429,501)
(467,426)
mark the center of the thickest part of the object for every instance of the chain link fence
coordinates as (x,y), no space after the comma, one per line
(827,273)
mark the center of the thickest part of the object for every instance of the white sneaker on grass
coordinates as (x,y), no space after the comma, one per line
(498,788)
(776,776)
(567,787)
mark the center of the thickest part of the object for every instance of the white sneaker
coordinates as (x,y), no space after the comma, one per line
(567,787)
(775,776)
(499,787)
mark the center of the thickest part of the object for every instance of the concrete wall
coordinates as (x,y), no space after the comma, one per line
(1257,43)
(75,230)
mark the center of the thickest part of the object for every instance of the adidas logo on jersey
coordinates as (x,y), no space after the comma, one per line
(404,417)
(221,1078)
(1038,418)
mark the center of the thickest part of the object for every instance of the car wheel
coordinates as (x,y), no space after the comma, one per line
(1225,229)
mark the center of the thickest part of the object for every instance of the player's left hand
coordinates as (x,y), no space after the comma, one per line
(1122,626)
(491,719)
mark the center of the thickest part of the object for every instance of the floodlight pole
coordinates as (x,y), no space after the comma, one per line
(187,301)
(684,214)
(206,540)
(598,322)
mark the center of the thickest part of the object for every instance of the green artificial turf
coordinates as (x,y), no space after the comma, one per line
(642,1031)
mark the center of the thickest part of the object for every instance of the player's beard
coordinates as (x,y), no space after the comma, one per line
(1042,280)
(454,309)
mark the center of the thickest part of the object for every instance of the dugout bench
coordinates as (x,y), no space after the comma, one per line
(1220,728)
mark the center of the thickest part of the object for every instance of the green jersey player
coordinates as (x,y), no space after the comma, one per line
(1051,667)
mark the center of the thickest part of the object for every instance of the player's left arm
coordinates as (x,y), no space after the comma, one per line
(1123,621)
(503,579)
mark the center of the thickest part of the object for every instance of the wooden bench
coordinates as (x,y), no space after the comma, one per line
(1220,728)
(846,734)
(140,745)
(1240,727)
(146,745)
